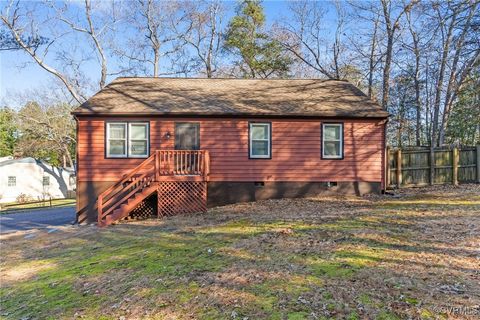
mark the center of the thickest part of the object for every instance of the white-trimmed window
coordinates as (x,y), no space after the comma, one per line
(117,139)
(260,140)
(332,140)
(46,181)
(138,139)
(12,181)
(127,139)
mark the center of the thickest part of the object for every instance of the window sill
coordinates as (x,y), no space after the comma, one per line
(126,157)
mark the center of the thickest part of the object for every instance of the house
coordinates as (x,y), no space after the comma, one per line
(34,180)
(179,145)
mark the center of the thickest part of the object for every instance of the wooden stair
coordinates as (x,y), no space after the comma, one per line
(118,201)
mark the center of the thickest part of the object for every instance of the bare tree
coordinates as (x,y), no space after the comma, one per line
(458,71)
(18,19)
(337,44)
(415,48)
(392,24)
(368,55)
(153,24)
(48,127)
(93,32)
(303,36)
(452,24)
(373,58)
(205,34)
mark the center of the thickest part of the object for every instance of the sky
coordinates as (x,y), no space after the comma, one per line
(19,74)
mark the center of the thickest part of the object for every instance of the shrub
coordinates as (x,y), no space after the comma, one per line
(24,198)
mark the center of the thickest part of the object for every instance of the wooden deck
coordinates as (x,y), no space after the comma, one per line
(179,177)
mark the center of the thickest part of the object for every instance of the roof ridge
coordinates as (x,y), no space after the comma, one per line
(245,79)
(231,96)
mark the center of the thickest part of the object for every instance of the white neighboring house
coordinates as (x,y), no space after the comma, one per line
(34,178)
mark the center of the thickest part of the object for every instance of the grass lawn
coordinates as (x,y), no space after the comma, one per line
(56,203)
(380,257)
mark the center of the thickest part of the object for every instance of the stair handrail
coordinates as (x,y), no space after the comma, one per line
(140,180)
(145,179)
(124,179)
(201,156)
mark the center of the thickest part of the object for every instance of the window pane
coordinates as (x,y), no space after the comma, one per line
(259,148)
(46,181)
(187,136)
(138,147)
(138,131)
(331,148)
(332,132)
(259,131)
(12,181)
(117,147)
(117,131)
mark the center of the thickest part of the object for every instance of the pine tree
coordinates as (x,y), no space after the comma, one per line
(260,56)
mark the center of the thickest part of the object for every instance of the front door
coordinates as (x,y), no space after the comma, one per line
(187,136)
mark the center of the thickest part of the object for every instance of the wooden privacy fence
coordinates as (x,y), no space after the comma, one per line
(421,166)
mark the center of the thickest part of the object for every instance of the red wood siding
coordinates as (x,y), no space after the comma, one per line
(296,146)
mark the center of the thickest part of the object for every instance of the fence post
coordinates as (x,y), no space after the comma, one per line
(399,168)
(478,162)
(432,165)
(387,168)
(455,166)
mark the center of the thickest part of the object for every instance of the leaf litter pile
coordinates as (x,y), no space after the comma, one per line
(410,255)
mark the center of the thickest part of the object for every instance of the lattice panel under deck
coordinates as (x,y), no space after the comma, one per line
(146,209)
(177,197)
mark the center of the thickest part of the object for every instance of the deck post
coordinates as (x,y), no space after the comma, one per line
(159,199)
(478,162)
(399,168)
(99,209)
(455,166)
(157,165)
(207,166)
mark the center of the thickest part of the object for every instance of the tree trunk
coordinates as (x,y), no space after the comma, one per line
(69,156)
(454,83)
(63,78)
(372,63)
(418,106)
(416,52)
(156,58)
(386,71)
(439,86)
(103,59)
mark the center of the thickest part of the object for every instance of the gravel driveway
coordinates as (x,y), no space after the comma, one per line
(36,219)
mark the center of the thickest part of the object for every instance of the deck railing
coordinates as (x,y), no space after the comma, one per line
(162,163)
(182,162)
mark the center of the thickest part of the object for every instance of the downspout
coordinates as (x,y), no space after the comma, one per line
(75,170)
(384,156)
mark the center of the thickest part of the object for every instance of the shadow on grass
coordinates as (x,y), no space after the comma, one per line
(212,269)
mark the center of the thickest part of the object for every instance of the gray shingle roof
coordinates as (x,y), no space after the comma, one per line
(223,97)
